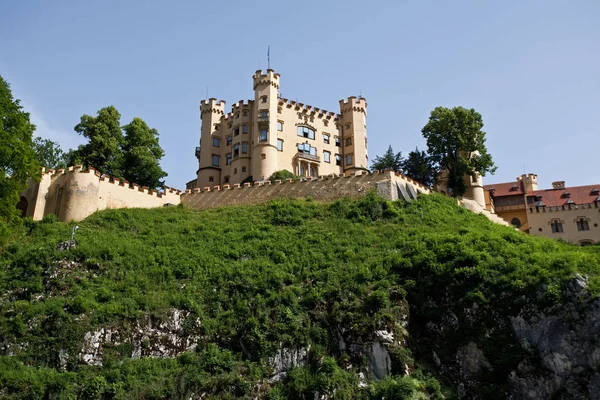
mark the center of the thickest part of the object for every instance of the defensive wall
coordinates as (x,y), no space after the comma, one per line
(390,185)
(76,193)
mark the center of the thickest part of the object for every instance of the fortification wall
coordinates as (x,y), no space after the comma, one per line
(76,193)
(325,188)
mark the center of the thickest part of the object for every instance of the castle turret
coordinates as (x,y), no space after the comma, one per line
(530,182)
(209,154)
(354,133)
(264,133)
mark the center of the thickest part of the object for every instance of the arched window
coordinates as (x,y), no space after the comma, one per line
(582,224)
(556,226)
(586,242)
(305,131)
(516,222)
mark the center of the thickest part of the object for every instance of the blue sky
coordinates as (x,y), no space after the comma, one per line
(531,68)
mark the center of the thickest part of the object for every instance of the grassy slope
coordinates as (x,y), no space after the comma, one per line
(287,272)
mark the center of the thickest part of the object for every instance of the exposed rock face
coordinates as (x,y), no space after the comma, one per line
(284,360)
(149,337)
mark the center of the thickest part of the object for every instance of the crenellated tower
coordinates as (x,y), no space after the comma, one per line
(530,182)
(353,122)
(209,161)
(264,132)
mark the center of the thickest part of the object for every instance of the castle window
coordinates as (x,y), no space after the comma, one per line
(306,132)
(237,115)
(348,141)
(348,125)
(263,99)
(582,224)
(245,113)
(229,125)
(279,144)
(338,141)
(279,110)
(263,156)
(244,147)
(516,222)
(279,126)
(348,159)
(226,179)
(338,159)
(236,150)
(211,178)
(366,143)
(228,159)
(244,128)
(217,127)
(264,115)
(326,156)
(325,122)
(326,138)
(556,226)
(229,140)
(236,131)
(243,169)
(215,160)
(216,142)
(235,171)
(263,135)
(307,149)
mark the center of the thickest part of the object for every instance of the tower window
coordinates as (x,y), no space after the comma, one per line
(279,126)
(582,224)
(215,160)
(216,142)
(279,144)
(243,169)
(338,141)
(237,115)
(263,156)
(211,178)
(244,147)
(236,131)
(326,156)
(244,128)
(235,171)
(326,138)
(348,125)
(236,150)
(306,132)
(348,159)
(263,135)
(338,159)
(307,149)
(263,99)
(264,114)
(245,113)
(348,141)
(228,159)
(227,179)
(229,140)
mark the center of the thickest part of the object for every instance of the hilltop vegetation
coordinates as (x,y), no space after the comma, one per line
(250,281)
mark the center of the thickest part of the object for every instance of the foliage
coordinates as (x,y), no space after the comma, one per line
(456,145)
(389,160)
(49,154)
(142,155)
(419,166)
(105,139)
(282,175)
(291,274)
(17,157)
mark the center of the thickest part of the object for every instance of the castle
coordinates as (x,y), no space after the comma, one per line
(270,133)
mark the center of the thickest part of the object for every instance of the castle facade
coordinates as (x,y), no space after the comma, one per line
(269,133)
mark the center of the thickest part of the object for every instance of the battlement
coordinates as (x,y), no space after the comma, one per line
(212,106)
(237,106)
(269,78)
(532,177)
(353,104)
(308,109)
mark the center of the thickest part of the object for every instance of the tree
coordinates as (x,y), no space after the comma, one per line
(17,156)
(282,175)
(142,155)
(104,149)
(389,160)
(419,166)
(49,154)
(456,145)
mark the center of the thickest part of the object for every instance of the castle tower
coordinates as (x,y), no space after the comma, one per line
(210,163)
(530,182)
(264,132)
(354,133)
(475,189)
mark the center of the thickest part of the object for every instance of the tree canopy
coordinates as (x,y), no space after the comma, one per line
(49,154)
(389,160)
(134,155)
(18,162)
(142,154)
(419,166)
(456,144)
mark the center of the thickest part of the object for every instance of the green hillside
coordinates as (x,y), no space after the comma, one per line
(319,280)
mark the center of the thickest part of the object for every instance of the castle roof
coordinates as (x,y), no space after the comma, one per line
(506,188)
(569,195)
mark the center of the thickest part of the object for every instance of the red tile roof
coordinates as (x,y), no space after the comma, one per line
(506,188)
(578,195)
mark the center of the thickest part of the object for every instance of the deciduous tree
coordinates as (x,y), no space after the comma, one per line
(142,154)
(17,156)
(456,144)
(49,154)
(389,160)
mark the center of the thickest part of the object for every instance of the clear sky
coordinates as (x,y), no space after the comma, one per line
(531,68)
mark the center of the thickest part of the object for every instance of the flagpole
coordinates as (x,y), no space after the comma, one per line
(269,57)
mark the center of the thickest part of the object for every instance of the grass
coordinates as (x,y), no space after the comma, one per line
(287,273)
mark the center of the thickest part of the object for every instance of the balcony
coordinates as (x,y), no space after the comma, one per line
(307,156)
(198,152)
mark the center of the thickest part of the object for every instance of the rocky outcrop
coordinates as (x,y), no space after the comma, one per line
(150,337)
(285,359)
